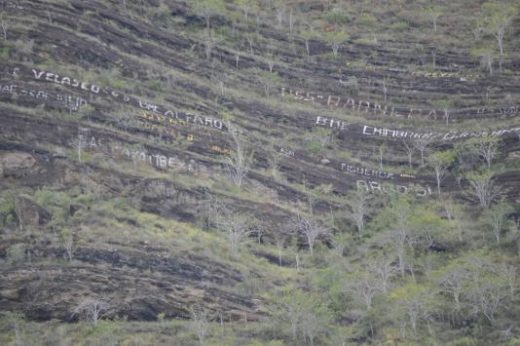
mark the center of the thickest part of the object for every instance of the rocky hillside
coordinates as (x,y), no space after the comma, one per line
(259,172)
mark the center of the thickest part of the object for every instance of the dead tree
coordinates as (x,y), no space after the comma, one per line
(211,41)
(366,287)
(199,323)
(237,226)
(91,309)
(280,240)
(487,148)
(421,144)
(496,218)
(311,229)
(484,188)
(440,163)
(409,151)
(70,246)
(359,205)
(383,270)
(80,141)
(4,24)
(453,284)
(239,160)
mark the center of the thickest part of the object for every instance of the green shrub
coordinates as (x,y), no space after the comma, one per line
(7,210)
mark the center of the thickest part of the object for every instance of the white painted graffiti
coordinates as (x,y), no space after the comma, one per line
(159,161)
(178,118)
(56,78)
(287,152)
(331,123)
(366,171)
(181,117)
(376,187)
(71,102)
(376,108)
(115,149)
(447,136)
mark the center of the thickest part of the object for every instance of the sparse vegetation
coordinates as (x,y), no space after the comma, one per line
(185,201)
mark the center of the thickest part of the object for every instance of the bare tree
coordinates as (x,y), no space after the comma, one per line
(259,229)
(496,218)
(422,144)
(199,323)
(239,161)
(270,59)
(208,9)
(440,172)
(4,24)
(509,274)
(70,245)
(291,21)
(211,41)
(434,13)
(267,80)
(487,57)
(381,151)
(366,287)
(251,42)
(416,310)
(487,297)
(280,14)
(292,308)
(384,270)
(484,188)
(336,40)
(453,283)
(91,309)
(409,147)
(399,237)
(496,19)
(237,226)
(247,7)
(452,212)
(359,205)
(220,77)
(440,163)
(80,141)
(311,229)
(311,325)
(385,90)
(280,239)
(274,156)
(487,148)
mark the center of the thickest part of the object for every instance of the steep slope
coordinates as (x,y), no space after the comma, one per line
(165,157)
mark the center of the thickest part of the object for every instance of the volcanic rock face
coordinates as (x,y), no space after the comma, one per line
(30,214)
(12,163)
(110,121)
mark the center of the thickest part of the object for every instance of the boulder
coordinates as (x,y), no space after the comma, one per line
(15,163)
(30,214)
